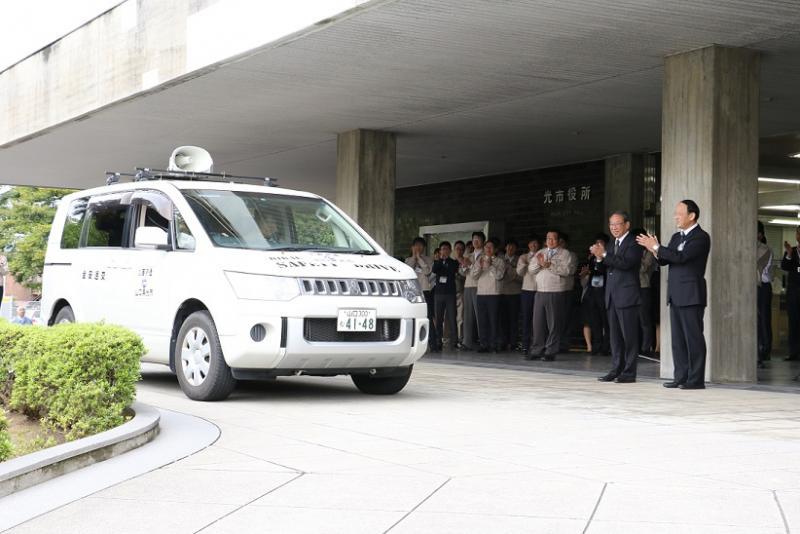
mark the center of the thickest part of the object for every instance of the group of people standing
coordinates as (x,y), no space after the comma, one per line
(479,293)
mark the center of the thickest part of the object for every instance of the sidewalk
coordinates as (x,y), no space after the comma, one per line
(466,449)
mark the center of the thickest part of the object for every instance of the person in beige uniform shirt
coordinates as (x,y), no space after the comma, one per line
(423,266)
(509,298)
(527,293)
(553,267)
(471,322)
(488,272)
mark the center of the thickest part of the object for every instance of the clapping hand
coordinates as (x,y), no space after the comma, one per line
(597,250)
(648,241)
(788,248)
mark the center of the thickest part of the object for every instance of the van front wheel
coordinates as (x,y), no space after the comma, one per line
(388,385)
(202,371)
(64,315)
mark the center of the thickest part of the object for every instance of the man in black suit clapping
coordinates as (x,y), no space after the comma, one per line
(622,296)
(687,256)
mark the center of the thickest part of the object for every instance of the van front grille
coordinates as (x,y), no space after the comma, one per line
(324,330)
(351,287)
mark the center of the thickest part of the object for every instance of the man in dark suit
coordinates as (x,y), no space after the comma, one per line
(622,297)
(687,256)
(791,264)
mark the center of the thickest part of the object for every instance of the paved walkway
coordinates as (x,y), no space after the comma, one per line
(466,449)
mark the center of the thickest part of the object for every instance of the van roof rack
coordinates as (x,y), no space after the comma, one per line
(144,174)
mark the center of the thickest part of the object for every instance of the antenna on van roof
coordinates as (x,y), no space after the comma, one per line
(188,163)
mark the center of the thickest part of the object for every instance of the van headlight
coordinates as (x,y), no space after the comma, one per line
(263,287)
(412,291)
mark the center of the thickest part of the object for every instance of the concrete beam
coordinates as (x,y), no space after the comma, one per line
(624,186)
(365,181)
(710,155)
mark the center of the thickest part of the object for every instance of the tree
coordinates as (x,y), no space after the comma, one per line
(26,214)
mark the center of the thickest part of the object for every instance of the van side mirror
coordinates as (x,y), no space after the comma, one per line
(151,237)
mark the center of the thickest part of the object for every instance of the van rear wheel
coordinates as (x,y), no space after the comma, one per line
(387,385)
(64,315)
(202,372)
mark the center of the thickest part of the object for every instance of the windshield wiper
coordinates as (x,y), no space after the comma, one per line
(362,252)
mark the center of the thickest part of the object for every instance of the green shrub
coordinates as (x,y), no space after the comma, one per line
(5,439)
(9,334)
(76,378)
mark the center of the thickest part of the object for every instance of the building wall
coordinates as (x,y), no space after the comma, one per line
(528,202)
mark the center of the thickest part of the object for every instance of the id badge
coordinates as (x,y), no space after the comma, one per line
(798,270)
(442,279)
(597,281)
(680,247)
(417,269)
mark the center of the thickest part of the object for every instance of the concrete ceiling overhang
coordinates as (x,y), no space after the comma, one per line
(470,87)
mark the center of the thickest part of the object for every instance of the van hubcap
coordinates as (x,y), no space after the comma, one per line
(195,356)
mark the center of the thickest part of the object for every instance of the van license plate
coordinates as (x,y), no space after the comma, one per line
(357,320)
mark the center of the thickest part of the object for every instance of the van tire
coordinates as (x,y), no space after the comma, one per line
(64,315)
(387,385)
(214,376)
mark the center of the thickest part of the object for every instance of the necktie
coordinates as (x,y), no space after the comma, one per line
(616,247)
(550,253)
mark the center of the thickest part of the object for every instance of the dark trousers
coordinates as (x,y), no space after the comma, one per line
(431,317)
(509,319)
(598,319)
(688,344)
(646,320)
(624,328)
(548,322)
(764,320)
(445,305)
(526,299)
(488,315)
(793,309)
(470,330)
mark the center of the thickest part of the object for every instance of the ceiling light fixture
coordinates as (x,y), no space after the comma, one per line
(796,155)
(779,180)
(784,222)
(782,207)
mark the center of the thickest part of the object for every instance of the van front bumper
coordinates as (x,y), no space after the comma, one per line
(285,346)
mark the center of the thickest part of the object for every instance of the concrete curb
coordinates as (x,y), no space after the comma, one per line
(40,466)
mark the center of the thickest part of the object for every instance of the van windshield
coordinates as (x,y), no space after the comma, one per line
(264,221)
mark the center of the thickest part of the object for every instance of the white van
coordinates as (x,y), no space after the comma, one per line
(227,281)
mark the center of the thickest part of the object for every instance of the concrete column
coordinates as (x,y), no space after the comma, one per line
(624,186)
(365,181)
(710,154)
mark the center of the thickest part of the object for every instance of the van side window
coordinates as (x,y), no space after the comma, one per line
(105,225)
(71,235)
(185,239)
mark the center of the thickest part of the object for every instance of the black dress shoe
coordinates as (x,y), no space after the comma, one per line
(548,358)
(625,380)
(692,386)
(607,378)
(672,384)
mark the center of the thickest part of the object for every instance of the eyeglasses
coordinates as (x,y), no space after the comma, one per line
(616,224)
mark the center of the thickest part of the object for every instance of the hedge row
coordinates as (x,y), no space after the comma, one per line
(75,378)
(5,439)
